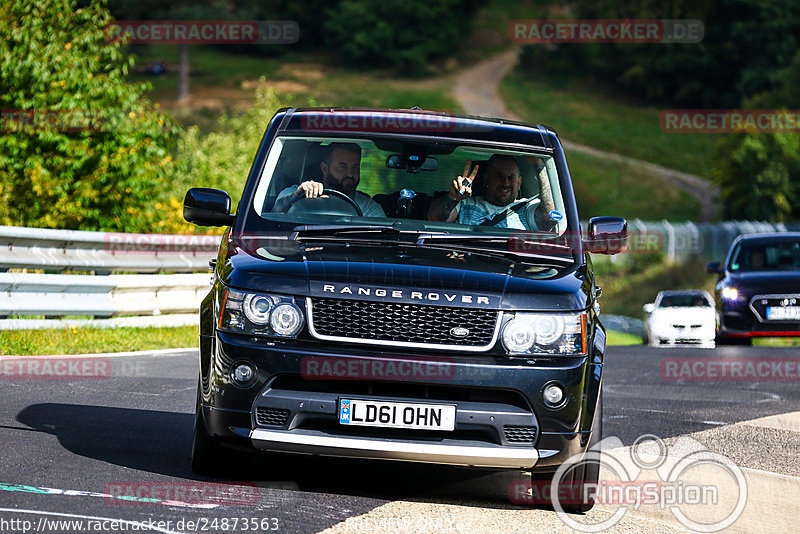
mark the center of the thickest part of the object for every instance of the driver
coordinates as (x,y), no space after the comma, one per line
(499,205)
(340,171)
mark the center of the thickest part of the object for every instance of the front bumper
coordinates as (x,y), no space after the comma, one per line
(745,318)
(320,443)
(501,421)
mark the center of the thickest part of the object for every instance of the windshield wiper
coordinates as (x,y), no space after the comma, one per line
(343,232)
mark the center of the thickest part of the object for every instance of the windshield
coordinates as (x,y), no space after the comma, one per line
(761,256)
(411,186)
(684,301)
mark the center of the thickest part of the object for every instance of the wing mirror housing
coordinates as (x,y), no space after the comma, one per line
(207,207)
(607,235)
(649,307)
(714,267)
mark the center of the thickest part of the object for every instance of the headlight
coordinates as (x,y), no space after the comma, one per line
(286,320)
(539,333)
(730,293)
(260,313)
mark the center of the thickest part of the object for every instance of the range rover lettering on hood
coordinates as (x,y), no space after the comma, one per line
(416,295)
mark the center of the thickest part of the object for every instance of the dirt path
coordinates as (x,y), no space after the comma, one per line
(477,90)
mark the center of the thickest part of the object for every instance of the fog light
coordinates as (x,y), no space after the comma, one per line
(553,395)
(243,374)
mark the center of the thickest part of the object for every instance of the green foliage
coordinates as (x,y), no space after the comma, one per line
(759,176)
(759,173)
(222,158)
(745,43)
(105,167)
(398,33)
(635,279)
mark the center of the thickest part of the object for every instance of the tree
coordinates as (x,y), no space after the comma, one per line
(397,33)
(759,173)
(79,146)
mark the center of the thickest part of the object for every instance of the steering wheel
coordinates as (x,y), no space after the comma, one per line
(335,193)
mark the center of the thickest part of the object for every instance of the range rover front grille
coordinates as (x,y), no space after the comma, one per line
(272,416)
(403,323)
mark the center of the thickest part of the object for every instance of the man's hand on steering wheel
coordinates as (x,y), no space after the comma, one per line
(309,189)
(317,190)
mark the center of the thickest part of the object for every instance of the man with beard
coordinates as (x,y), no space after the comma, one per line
(341,169)
(497,204)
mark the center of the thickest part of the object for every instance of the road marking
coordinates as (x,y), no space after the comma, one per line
(80,493)
(138,524)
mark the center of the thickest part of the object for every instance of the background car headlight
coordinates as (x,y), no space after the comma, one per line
(539,333)
(260,313)
(730,293)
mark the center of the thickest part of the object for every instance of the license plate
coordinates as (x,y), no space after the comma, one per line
(397,414)
(778,313)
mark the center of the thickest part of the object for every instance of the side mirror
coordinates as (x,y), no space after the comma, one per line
(607,235)
(714,267)
(649,307)
(207,207)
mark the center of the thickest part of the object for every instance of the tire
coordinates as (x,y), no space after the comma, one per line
(207,454)
(741,341)
(584,473)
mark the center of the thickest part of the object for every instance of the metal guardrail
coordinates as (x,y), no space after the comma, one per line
(110,299)
(104,252)
(174,298)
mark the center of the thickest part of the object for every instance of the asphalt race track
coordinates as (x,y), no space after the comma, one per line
(68,444)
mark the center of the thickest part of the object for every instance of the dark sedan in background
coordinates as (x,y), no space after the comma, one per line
(758,292)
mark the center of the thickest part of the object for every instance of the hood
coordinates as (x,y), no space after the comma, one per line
(409,274)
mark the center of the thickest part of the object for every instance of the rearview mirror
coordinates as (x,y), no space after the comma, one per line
(607,235)
(714,267)
(411,163)
(649,307)
(207,207)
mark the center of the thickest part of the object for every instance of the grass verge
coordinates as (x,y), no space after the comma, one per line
(95,340)
(585,113)
(621,338)
(225,82)
(636,279)
(604,187)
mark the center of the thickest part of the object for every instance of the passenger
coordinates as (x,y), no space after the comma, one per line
(498,205)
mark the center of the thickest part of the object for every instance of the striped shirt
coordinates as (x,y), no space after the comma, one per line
(475,210)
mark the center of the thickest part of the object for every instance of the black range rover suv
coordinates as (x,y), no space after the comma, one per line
(405,285)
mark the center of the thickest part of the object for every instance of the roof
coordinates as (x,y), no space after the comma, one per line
(376,122)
